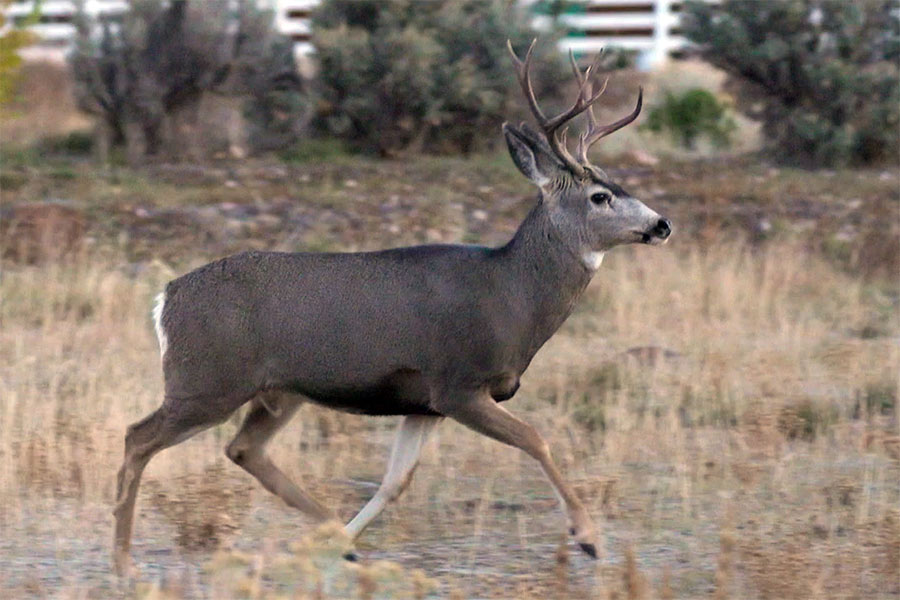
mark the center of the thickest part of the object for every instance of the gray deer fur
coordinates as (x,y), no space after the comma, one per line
(425,332)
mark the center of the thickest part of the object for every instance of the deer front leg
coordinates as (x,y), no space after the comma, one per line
(481,413)
(411,436)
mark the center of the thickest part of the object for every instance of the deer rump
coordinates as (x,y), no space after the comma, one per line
(368,333)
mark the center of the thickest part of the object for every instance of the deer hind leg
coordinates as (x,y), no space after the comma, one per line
(411,436)
(268,414)
(482,414)
(172,423)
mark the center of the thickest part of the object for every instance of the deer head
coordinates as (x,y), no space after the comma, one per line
(590,211)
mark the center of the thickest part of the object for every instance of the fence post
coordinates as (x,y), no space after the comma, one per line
(660,52)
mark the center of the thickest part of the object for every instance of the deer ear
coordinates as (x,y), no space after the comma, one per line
(529,156)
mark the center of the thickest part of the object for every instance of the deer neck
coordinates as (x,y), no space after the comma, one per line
(549,272)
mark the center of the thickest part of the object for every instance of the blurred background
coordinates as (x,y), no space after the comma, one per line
(726,405)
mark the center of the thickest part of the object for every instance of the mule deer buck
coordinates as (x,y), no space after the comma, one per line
(423,332)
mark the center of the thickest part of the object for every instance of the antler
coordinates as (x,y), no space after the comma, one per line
(584,102)
(595,131)
(551,126)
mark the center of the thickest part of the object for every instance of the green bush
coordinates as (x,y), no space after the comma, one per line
(821,75)
(695,113)
(399,75)
(75,143)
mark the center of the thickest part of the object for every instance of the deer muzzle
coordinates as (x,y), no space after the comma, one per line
(659,233)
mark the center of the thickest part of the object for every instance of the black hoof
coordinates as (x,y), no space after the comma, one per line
(589,549)
(571,531)
(351,556)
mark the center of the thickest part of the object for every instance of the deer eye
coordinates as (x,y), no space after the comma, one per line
(601,198)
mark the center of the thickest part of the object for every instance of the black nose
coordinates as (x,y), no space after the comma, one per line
(663,229)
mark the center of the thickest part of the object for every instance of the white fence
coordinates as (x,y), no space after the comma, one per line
(650,27)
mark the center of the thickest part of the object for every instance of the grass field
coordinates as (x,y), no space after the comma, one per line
(726,405)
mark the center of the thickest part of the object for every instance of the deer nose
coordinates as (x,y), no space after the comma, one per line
(663,229)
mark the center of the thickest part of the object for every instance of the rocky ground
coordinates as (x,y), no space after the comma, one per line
(171,212)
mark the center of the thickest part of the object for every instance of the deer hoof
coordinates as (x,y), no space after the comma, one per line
(589,549)
(351,556)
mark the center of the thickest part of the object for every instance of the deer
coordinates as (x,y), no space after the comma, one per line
(424,332)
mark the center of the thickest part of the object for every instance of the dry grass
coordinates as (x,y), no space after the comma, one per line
(755,459)
(44,106)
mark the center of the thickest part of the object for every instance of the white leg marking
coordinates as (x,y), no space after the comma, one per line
(411,436)
(159,305)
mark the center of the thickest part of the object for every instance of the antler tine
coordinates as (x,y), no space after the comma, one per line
(583,145)
(592,119)
(524,77)
(583,77)
(582,103)
(595,133)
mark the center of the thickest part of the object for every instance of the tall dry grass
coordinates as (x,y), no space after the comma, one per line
(747,446)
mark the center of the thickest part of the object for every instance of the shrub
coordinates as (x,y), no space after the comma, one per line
(145,78)
(75,143)
(695,113)
(821,75)
(12,39)
(398,75)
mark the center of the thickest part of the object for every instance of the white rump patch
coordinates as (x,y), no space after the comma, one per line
(159,304)
(592,260)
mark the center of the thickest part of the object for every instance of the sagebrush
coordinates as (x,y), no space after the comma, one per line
(401,76)
(822,76)
(694,114)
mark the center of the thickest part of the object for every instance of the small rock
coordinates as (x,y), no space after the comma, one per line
(351,183)
(235,228)
(268,221)
(231,183)
(479,214)
(208,215)
(847,233)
